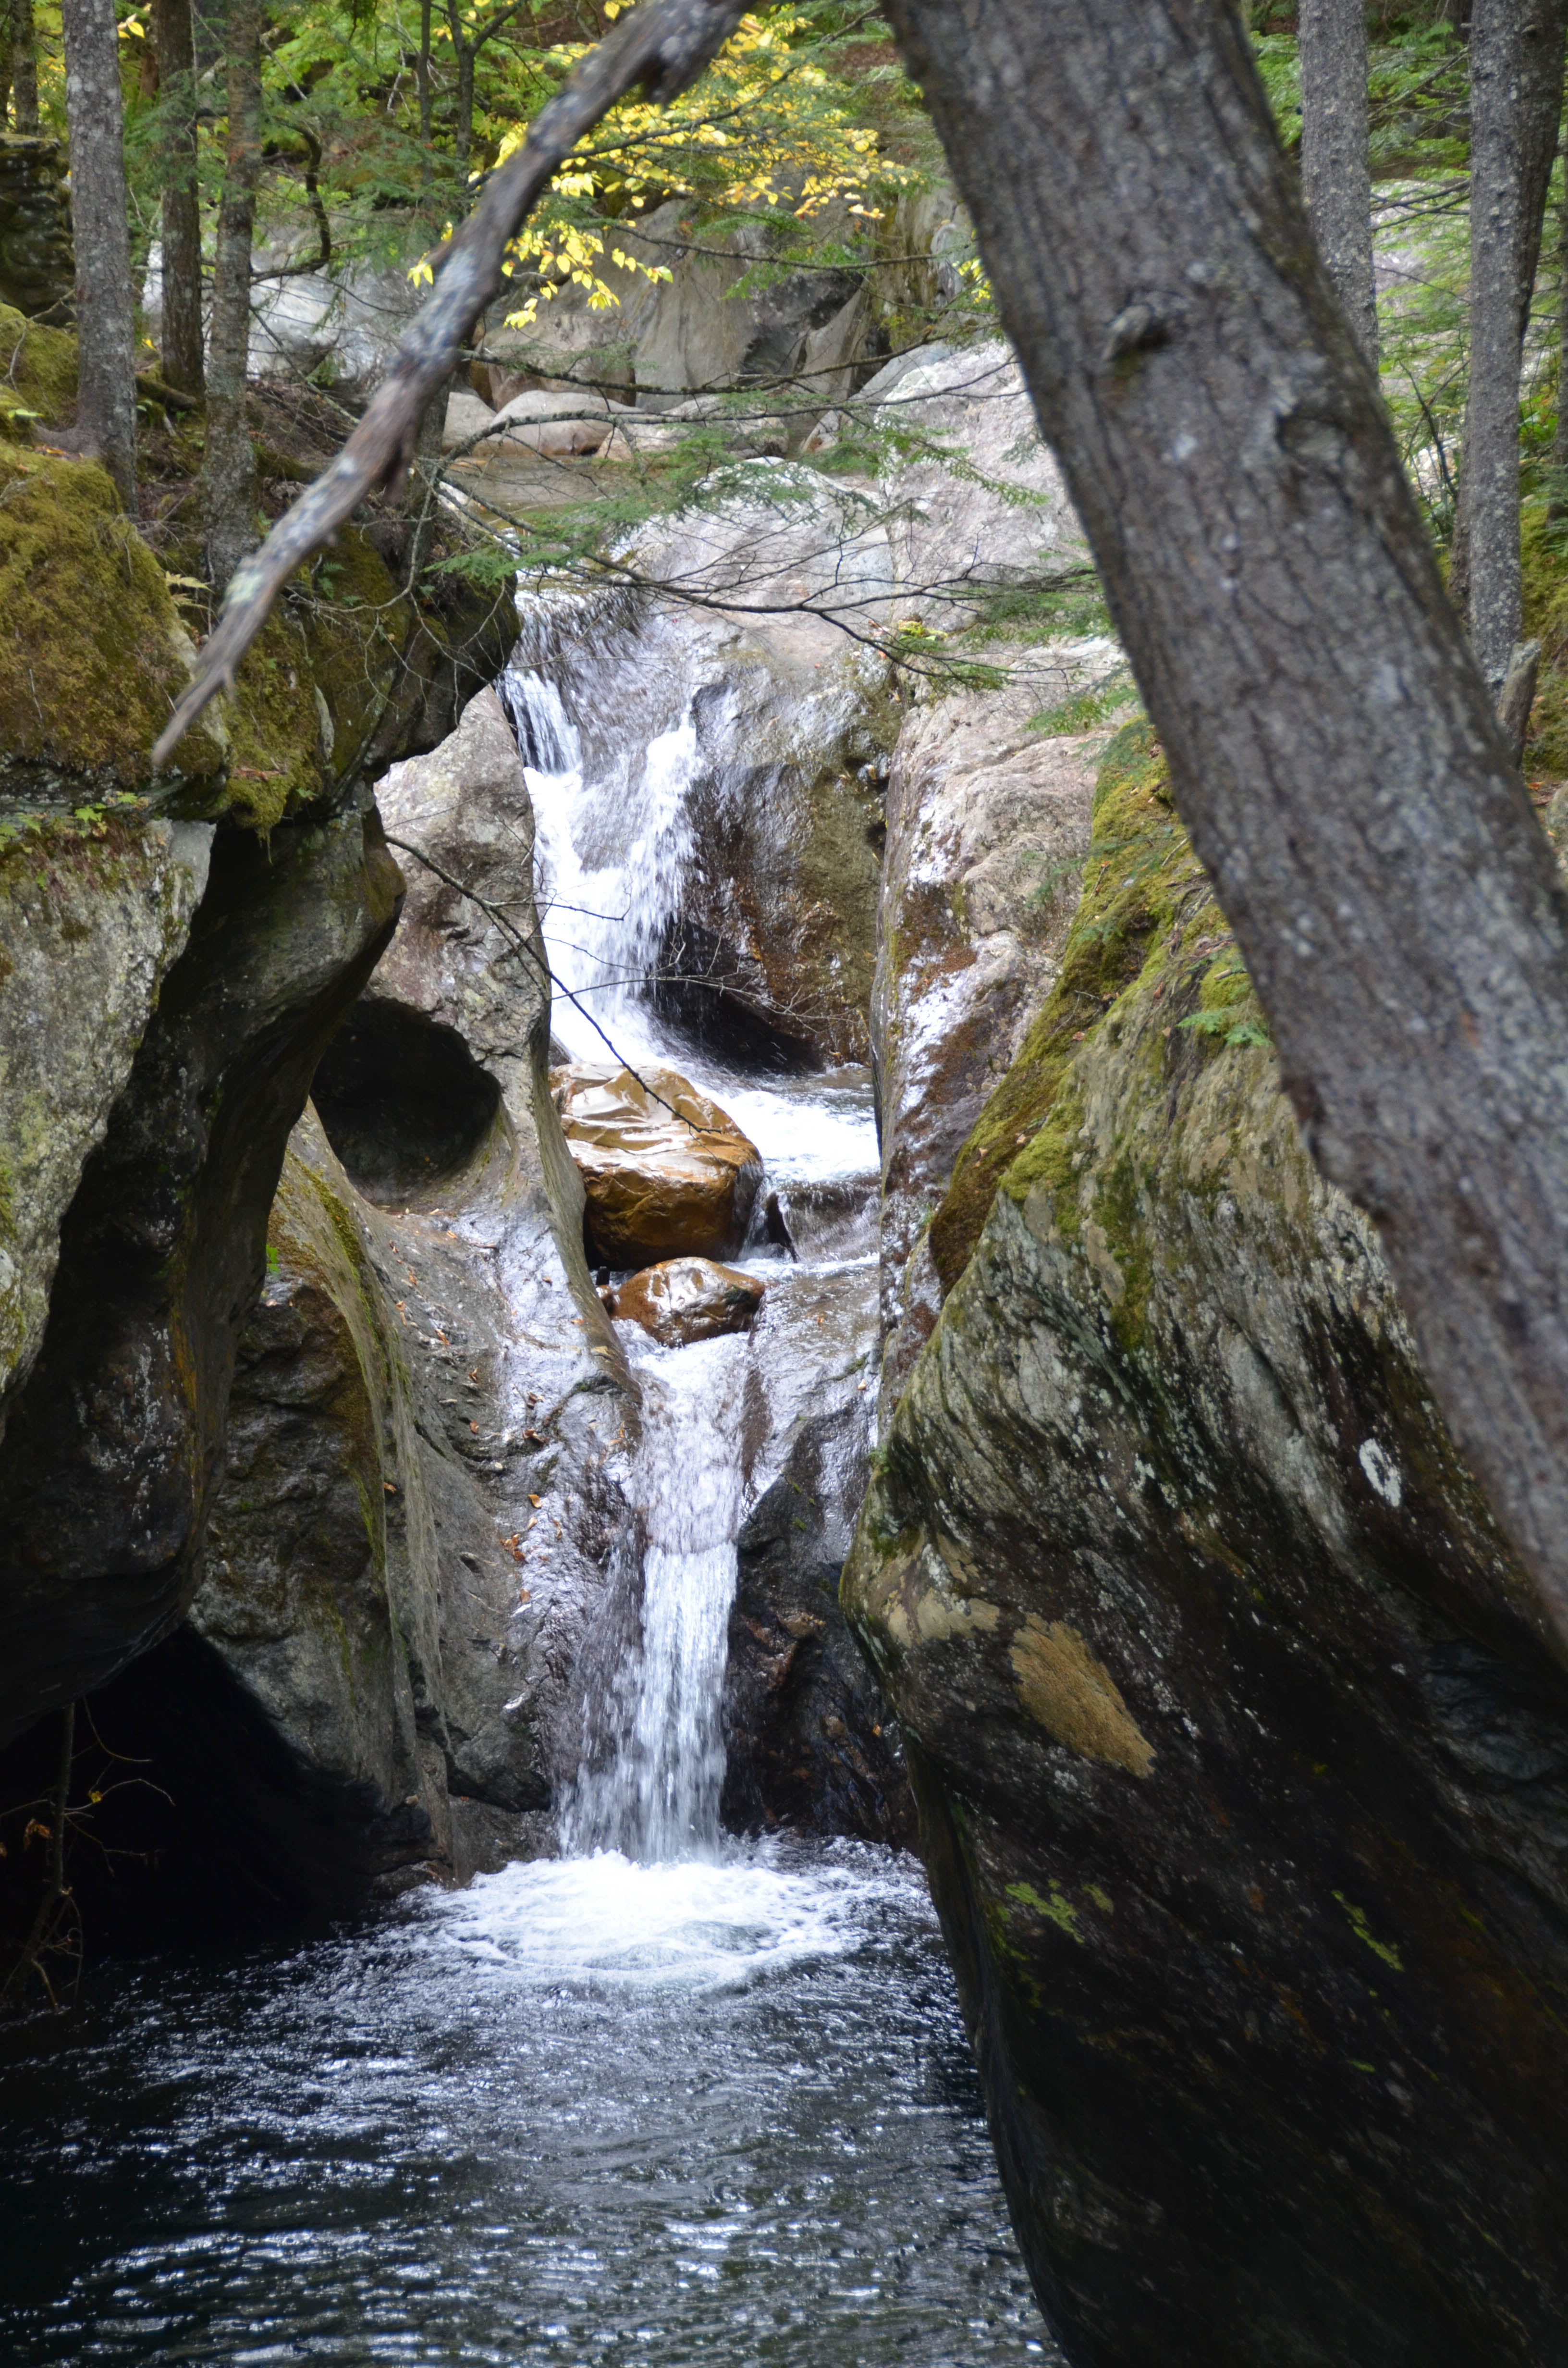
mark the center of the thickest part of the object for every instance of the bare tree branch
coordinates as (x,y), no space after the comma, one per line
(660,47)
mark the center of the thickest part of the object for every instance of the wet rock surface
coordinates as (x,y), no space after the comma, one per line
(683,1300)
(664,1171)
(809,1741)
(89,930)
(424,1505)
(114,1444)
(1239,1745)
(988,825)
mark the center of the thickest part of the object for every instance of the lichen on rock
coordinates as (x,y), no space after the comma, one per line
(1252,1647)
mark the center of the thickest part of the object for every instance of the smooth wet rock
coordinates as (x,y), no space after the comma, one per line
(1239,1738)
(988,822)
(89,928)
(115,1442)
(683,1300)
(810,1743)
(667,1173)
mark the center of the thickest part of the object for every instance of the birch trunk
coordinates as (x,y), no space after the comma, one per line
(106,402)
(229,463)
(1337,178)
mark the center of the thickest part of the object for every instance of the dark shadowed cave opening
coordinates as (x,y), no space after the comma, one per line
(191,1818)
(403,1101)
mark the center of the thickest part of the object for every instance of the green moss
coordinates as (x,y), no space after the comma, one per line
(1057,1909)
(1151,974)
(1358,1925)
(356,625)
(91,649)
(38,375)
(1138,871)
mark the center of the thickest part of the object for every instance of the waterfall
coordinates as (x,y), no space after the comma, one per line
(612,857)
(658,1798)
(614,846)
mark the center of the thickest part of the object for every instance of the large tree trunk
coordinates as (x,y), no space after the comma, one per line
(1516,77)
(181,339)
(24,65)
(1334,753)
(105,403)
(229,464)
(1335,174)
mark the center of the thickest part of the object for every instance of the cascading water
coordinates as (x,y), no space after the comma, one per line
(658,1798)
(612,855)
(611,859)
(668,2097)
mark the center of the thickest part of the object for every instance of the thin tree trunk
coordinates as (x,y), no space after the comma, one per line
(181,337)
(1337,178)
(106,402)
(462,122)
(1333,749)
(24,65)
(1559,438)
(229,465)
(422,83)
(1516,77)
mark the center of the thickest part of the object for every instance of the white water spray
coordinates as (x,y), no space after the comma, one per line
(614,850)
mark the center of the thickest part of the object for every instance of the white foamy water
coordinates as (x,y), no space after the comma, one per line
(614,848)
(606,1923)
(659,1797)
(613,855)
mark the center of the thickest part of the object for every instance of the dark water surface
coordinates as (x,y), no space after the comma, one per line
(585,2112)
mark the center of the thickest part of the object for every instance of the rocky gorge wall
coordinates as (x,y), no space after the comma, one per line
(1238,1745)
(175,956)
(1238,1739)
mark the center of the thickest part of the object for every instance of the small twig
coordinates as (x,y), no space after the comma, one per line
(32,1949)
(519,944)
(662,47)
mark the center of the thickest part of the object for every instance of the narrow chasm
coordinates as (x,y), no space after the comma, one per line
(511,1716)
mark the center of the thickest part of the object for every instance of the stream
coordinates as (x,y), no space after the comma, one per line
(670,2097)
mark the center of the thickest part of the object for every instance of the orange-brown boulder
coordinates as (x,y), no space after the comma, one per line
(666,1172)
(688,1299)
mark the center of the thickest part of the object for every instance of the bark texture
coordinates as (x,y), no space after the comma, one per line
(105,404)
(1515,70)
(181,340)
(229,463)
(24,65)
(1335,176)
(1333,749)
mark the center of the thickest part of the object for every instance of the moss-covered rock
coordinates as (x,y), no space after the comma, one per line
(1240,1745)
(92,654)
(38,375)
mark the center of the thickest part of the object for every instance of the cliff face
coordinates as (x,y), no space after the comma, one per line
(175,956)
(424,1439)
(1240,1750)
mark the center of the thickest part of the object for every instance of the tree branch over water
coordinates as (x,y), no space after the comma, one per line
(660,48)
